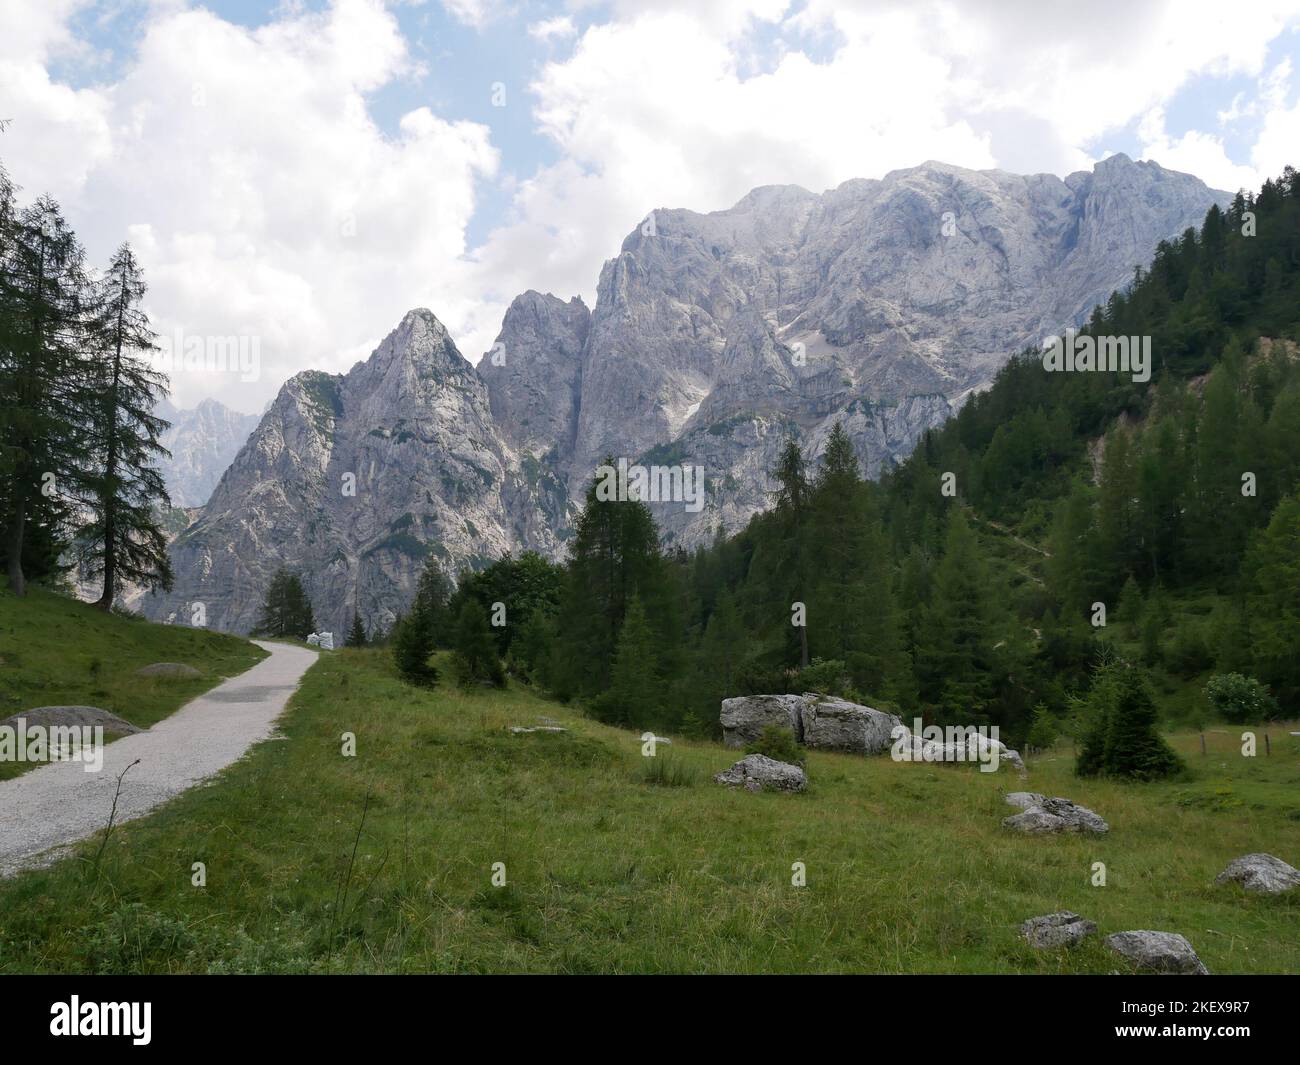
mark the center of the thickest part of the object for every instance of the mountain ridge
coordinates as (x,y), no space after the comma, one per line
(883,303)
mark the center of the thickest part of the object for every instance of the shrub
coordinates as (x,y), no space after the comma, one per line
(779,743)
(1241,700)
(826,676)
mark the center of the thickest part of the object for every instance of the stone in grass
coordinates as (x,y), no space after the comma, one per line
(1061,929)
(1158,952)
(169,669)
(72,716)
(1260,873)
(758,772)
(520,730)
(1042,816)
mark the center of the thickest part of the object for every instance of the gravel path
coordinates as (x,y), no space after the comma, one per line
(60,803)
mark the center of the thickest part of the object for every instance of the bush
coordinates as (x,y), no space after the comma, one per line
(779,743)
(1240,700)
(825,676)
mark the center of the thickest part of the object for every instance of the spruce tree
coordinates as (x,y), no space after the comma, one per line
(413,644)
(356,632)
(633,697)
(475,647)
(45,380)
(432,595)
(792,549)
(286,610)
(123,490)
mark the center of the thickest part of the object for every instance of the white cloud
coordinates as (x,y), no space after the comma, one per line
(264,200)
(242,207)
(558,28)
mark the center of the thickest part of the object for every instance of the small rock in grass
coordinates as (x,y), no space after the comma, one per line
(757,772)
(1261,873)
(1041,816)
(1159,952)
(520,730)
(1062,929)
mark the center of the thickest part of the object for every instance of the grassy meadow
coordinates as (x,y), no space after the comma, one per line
(56,651)
(617,863)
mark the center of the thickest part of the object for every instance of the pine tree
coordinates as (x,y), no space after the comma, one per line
(1123,739)
(956,658)
(356,632)
(1273,583)
(124,541)
(44,374)
(412,641)
(792,515)
(614,556)
(286,610)
(633,697)
(475,647)
(432,595)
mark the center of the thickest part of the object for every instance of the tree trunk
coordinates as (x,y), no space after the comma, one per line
(109,496)
(17,583)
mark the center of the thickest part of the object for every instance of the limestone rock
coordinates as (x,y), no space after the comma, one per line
(744,717)
(757,772)
(839,725)
(1040,816)
(1161,952)
(1261,873)
(1061,929)
(74,716)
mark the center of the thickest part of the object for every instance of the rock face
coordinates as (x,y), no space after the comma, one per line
(823,723)
(1160,952)
(352,481)
(1042,816)
(757,772)
(203,442)
(1261,873)
(838,725)
(1063,929)
(744,718)
(881,304)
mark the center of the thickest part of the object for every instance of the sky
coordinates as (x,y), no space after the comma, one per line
(299,174)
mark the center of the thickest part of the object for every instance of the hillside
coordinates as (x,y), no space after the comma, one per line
(383,862)
(56,651)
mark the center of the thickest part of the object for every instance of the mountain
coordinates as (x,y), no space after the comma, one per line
(351,480)
(881,304)
(203,442)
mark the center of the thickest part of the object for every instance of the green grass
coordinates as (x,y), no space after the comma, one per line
(609,870)
(56,651)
